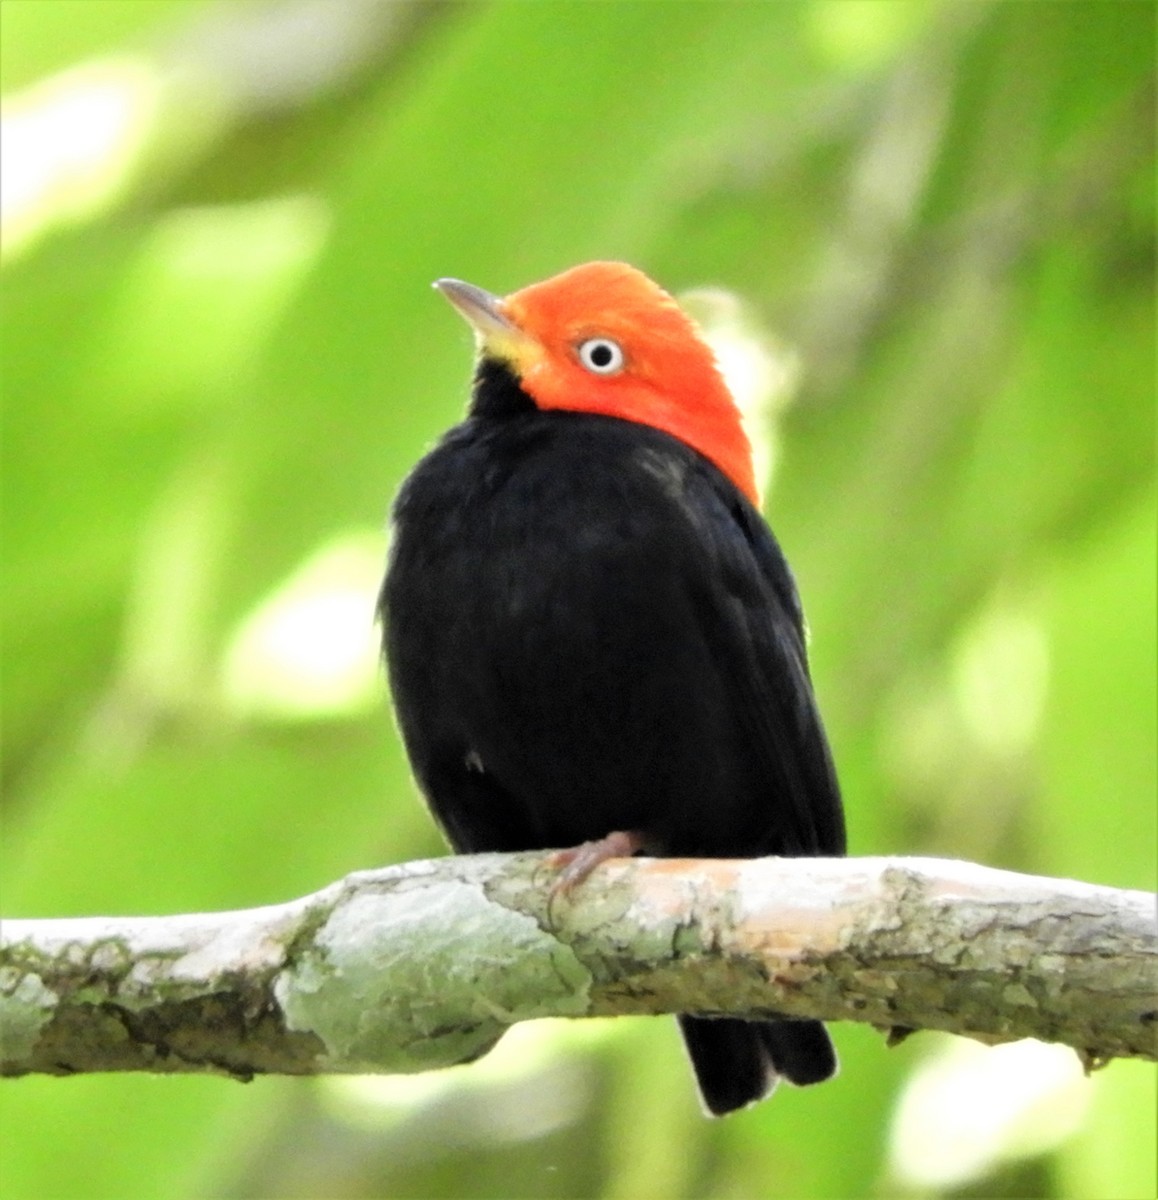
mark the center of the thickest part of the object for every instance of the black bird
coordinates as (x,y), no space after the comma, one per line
(592,635)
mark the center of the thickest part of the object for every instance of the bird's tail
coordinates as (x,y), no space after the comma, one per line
(738,1062)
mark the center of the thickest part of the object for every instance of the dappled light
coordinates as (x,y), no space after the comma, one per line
(70,145)
(968,1109)
(310,648)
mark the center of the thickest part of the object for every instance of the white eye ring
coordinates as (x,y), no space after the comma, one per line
(601,356)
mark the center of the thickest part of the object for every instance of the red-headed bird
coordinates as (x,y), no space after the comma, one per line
(592,635)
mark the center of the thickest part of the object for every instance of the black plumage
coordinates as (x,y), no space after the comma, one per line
(588,628)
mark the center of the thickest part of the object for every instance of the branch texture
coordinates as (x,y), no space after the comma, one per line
(426,964)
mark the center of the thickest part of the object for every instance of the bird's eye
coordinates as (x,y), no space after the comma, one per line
(601,356)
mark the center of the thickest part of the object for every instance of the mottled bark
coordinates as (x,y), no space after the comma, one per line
(426,964)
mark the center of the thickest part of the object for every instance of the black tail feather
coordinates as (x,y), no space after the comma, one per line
(801,1051)
(739,1062)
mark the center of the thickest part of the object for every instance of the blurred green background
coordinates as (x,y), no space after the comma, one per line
(935,226)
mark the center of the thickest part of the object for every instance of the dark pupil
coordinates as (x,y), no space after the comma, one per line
(600,355)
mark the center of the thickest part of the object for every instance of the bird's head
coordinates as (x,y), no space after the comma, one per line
(603,338)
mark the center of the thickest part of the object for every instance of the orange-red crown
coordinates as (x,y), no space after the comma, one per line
(667,376)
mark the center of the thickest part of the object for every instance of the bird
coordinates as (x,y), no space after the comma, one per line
(593,640)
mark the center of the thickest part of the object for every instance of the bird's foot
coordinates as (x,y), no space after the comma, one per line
(575,864)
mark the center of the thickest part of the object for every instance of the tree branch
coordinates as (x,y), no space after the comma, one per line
(426,964)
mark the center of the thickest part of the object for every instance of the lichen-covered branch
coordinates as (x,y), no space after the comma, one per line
(426,964)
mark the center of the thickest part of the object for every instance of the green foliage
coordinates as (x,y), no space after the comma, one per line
(221,355)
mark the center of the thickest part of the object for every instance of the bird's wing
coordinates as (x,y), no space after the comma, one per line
(753,620)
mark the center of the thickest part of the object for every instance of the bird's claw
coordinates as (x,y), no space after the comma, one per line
(576,863)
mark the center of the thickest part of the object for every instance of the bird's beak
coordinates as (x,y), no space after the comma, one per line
(494,330)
